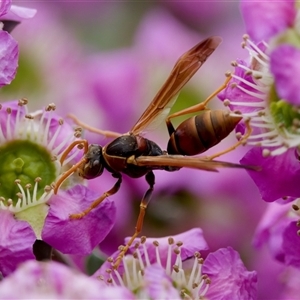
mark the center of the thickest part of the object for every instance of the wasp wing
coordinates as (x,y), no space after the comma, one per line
(179,161)
(186,66)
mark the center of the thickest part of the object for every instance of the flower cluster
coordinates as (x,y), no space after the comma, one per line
(35,222)
(164,268)
(265,88)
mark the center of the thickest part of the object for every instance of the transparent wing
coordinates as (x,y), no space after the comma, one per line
(186,66)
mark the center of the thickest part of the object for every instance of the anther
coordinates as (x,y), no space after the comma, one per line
(19,195)
(266,152)
(47,189)
(60,121)
(156,243)
(29,117)
(23,101)
(143,239)
(226,102)
(176,268)
(50,107)
(170,241)
(295,207)
(8,110)
(179,244)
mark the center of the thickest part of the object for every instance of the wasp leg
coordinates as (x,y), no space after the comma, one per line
(242,141)
(150,178)
(65,175)
(195,108)
(106,133)
(112,191)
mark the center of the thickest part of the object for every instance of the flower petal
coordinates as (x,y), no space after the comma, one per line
(286,69)
(4,7)
(16,242)
(80,236)
(264,19)
(291,245)
(279,175)
(9,53)
(51,280)
(230,279)
(157,285)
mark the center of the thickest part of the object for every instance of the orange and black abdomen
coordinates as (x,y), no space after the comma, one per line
(199,133)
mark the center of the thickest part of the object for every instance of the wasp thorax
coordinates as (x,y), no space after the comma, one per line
(93,164)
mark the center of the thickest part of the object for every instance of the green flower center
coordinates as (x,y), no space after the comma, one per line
(25,161)
(284,114)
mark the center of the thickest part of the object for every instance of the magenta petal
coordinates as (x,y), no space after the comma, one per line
(4,7)
(157,285)
(16,240)
(9,52)
(264,19)
(279,175)
(291,245)
(229,277)
(51,280)
(77,237)
(286,69)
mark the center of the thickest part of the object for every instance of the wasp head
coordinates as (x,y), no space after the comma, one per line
(92,165)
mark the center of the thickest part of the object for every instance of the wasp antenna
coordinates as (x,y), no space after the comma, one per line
(71,147)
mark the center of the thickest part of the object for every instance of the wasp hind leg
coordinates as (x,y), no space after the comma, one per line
(150,178)
(196,108)
(242,141)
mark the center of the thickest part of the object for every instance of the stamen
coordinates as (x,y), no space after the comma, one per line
(8,122)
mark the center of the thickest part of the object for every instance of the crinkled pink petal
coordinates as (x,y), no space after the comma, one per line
(279,175)
(291,245)
(158,285)
(4,7)
(9,52)
(264,19)
(51,280)
(229,277)
(78,236)
(16,240)
(285,66)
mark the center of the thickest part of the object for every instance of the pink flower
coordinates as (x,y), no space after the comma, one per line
(31,148)
(41,280)
(161,269)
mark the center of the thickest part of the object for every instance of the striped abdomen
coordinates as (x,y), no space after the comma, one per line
(199,133)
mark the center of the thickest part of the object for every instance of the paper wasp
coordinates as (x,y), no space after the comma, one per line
(136,156)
